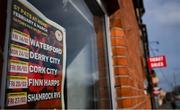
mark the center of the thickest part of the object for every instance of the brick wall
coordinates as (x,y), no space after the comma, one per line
(129,71)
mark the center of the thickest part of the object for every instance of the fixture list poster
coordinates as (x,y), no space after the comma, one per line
(36,60)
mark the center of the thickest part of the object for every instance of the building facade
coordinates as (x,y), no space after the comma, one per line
(106,51)
(129,52)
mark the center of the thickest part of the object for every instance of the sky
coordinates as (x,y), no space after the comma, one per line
(162,18)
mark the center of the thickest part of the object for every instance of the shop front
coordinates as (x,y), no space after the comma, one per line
(55,54)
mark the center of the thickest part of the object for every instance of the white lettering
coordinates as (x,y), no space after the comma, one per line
(38,56)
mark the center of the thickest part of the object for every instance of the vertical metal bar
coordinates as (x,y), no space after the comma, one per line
(111,71)
(174,79)
(5,55)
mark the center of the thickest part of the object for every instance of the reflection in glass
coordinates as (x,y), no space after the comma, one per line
(86,74)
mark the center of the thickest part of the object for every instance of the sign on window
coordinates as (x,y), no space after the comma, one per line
(36,59)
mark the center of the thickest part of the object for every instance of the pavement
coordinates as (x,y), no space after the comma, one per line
(166,105)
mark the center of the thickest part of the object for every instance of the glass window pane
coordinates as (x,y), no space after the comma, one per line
(86,74)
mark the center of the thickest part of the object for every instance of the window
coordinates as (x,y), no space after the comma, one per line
(87,82)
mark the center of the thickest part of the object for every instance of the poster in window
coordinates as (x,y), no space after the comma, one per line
(36,59)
